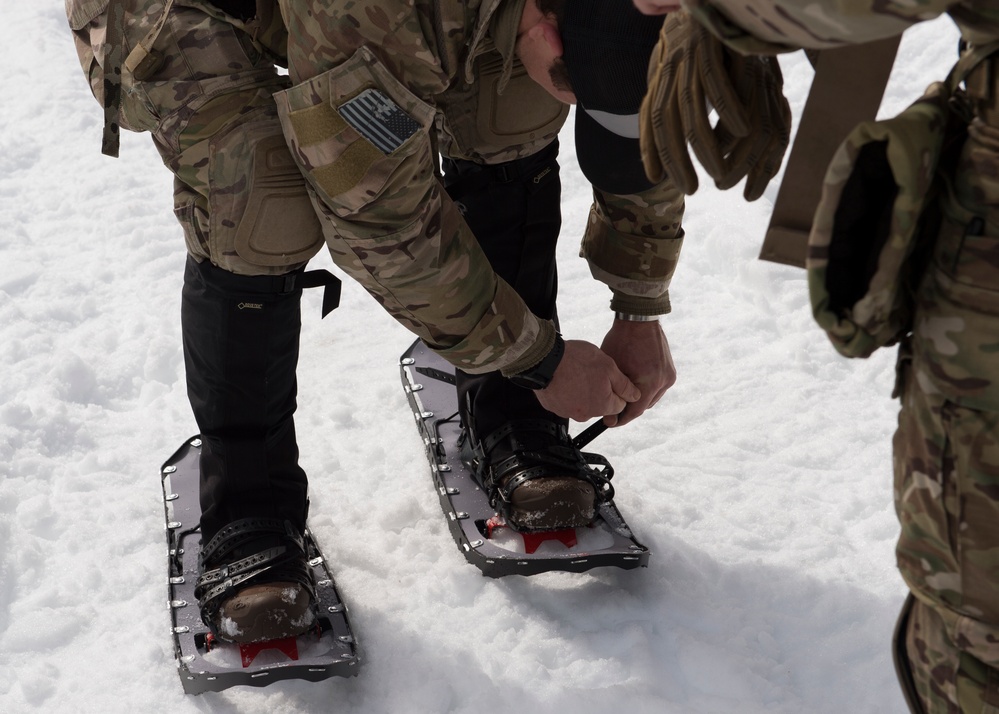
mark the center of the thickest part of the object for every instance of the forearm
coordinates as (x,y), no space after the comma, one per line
(421,262)
(632,244)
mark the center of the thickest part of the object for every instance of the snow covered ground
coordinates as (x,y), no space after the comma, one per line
(761,483)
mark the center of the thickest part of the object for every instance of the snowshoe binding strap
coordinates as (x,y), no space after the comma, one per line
(528,450)
(247,552)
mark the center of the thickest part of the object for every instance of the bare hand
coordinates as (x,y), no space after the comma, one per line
(587,384)
(642,353)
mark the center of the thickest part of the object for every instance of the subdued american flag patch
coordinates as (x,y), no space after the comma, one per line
(379,120)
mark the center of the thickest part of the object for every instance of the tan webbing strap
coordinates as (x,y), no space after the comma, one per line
(114,43)
(141,56)
(847,89)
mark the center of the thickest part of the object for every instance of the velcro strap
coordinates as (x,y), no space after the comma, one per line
(316,124)
(349,168)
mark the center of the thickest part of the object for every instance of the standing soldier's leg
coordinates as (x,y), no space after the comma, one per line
(204,90)
(947,444)
(947,492)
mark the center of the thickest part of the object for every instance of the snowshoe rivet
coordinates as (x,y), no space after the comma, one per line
(177,580)
(195,443)
(324,583)
(347,656)
(177,604)
(476,543)
(187,659)
(452,491)
(181,630)
(407,361)
(169,469)
(443,467)
(416,388)
(315,561)
(426,415)
(462,515)
(335,608)
(346,638)
(171,497)
(173,525)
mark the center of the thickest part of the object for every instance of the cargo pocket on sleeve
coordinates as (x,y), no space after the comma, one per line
(359,135)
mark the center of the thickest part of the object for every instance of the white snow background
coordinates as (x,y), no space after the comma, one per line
(761,483)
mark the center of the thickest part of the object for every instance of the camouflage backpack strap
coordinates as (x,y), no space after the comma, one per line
(114,46)
(141,58)
(115,64)
(878,216)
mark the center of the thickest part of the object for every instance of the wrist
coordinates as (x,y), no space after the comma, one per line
(540,375)
(632,317)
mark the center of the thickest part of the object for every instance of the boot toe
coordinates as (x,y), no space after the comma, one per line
(552,503)
(268,611)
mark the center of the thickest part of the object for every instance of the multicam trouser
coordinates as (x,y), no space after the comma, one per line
(947,443)
(201,82)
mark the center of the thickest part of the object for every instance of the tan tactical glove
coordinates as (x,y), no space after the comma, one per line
(689,70)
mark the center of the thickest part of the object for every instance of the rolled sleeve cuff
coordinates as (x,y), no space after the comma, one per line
(634,305)
(637,269)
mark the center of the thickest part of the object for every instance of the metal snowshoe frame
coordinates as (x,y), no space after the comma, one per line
(180,477)
(429,384)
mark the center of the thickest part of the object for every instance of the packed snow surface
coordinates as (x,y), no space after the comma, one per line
(761,483)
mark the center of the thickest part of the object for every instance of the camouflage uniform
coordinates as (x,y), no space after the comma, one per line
(385,219)
(451,67)
(204,91)
(202,80)
(946,448)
